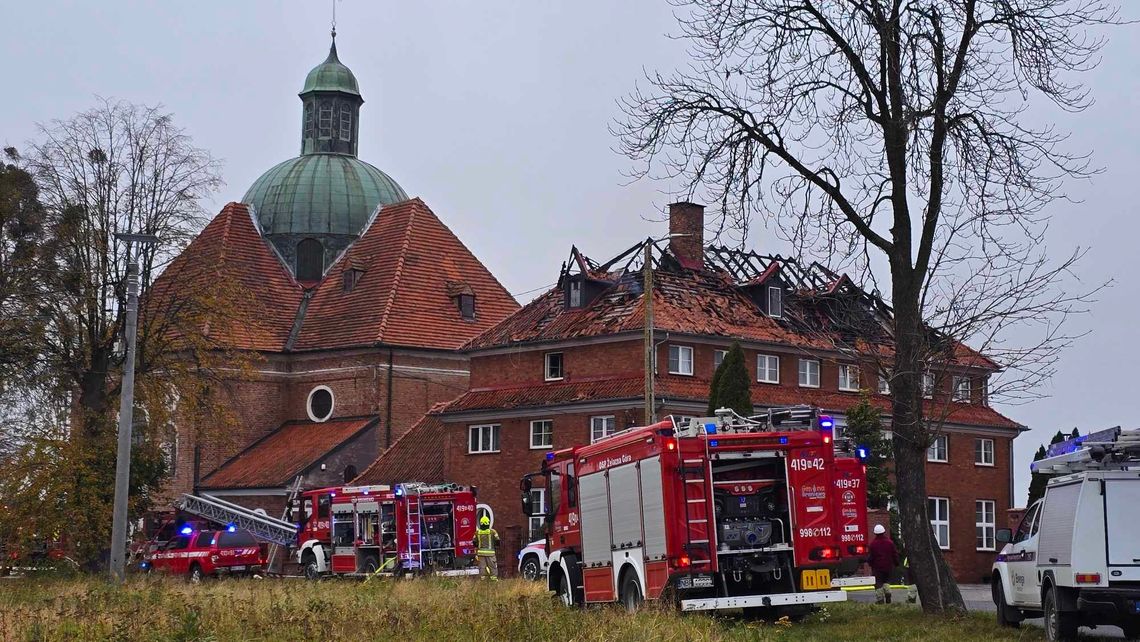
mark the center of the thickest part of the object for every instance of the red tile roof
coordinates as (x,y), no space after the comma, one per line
(231,251)
(276,459)
(413,266)
(418,455)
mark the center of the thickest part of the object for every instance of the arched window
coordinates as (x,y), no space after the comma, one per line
(310,260)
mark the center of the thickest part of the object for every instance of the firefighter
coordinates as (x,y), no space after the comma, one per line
(486,541)
(883,560)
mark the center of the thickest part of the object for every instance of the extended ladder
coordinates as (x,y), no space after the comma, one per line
(413,528)
(294,491)
(258,523)
(1112,449)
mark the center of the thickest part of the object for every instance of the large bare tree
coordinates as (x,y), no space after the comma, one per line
(892,136)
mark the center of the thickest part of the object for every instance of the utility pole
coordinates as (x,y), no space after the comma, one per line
(647,273)
(126,411)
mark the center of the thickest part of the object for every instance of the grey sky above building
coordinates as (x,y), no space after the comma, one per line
(497,115)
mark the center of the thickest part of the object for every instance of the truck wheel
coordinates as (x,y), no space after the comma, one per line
(371,565)
(1004,610)
(565,592)
(309,566)
(530,568)
(631,596)
(1059,625)
(195,574)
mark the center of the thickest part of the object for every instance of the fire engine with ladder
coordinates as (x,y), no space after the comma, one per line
(389,530)
(723,512)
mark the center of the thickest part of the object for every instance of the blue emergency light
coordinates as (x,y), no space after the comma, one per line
(399,491)
(826,422)
(862,453)
(783,440)
(713,443)
(549,456)
(710,429)
(186,530)
(230,528)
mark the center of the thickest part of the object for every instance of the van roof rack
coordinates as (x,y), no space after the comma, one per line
(1111,449)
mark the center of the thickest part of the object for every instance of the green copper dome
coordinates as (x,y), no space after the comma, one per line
(318,194)
(331,75)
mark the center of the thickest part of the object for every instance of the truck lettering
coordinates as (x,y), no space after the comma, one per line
(806,463)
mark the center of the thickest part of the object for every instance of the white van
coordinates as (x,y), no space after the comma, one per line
(1075,558)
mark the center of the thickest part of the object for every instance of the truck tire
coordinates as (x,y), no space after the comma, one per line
(531,569)
(196,574)
(1006,614)
(565,591)
(309,566)
(631,595)
(371,564)
(1059,625)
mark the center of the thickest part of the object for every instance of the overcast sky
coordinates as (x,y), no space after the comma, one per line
(496,115)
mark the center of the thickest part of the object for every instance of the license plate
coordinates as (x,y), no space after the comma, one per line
(702,581)
(815,579)
(238,568)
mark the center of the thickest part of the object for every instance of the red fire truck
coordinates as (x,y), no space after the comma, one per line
(716,513)
(405,528)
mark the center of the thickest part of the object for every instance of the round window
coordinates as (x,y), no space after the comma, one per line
(320,404)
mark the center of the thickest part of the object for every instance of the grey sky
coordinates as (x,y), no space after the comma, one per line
(496,115)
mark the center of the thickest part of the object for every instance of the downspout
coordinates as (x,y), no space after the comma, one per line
(197,465)
(388,406)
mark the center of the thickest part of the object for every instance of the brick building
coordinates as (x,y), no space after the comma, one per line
(568,368)
(361,295)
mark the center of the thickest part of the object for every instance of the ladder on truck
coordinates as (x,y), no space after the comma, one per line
(294,491)
(1111,449)
(413,529)
(262,526)
(698,512)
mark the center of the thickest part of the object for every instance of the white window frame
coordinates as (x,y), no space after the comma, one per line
(716,362)
(808,373)
(852,372)
(985,530)
(884,385)
(601,421)
(982,441)
(345,123)
(486,446)
(962,389)
(681,350)
(984,384)
(936,454)
(324,121)
(539,507)
(779,297)
(928,385)
(939,518)
(766,364)
(561,366)
(549,433)
(575,293)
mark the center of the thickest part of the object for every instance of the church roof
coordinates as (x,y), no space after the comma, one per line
(331,75)
(411,269)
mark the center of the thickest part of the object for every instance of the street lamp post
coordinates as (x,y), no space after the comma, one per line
(647,334)
(126,411)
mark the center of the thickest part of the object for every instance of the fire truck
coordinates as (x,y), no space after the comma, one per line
(389,530)
(724,512)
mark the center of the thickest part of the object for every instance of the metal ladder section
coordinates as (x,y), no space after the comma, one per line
(290,499)
(699,518)
(262,526)
(413,528)
(1112,449)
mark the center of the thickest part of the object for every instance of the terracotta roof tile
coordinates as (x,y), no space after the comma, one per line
(277,458)
(412,263)
(418,455)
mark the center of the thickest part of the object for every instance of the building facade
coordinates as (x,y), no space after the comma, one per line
(569,368)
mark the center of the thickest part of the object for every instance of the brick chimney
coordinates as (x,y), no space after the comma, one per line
(687,220)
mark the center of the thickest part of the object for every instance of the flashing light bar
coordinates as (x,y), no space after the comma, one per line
(549,456)
(186,530)
(826,422)
(231,528)
(1075,443)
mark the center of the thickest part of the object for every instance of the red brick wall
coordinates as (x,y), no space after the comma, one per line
(578,362)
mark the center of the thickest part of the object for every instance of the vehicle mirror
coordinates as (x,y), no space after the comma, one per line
(1004,536)
(525,485)
(527,503)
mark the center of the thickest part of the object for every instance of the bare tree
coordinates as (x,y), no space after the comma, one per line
(891,131)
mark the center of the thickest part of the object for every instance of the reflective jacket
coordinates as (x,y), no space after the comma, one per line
(485,541)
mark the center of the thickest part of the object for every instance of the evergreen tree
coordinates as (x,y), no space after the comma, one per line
(1038,480)
(1076,433)
(865,429)
(731,385)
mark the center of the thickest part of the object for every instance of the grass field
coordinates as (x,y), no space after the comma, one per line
(437,609)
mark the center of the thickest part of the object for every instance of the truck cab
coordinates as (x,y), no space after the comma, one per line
(1075,556)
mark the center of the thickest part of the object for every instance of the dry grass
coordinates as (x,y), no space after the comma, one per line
(437,609)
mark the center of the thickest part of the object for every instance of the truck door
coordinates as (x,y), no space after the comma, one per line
(1122,523)
(1021,560)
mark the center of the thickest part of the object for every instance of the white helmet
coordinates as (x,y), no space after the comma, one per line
(879,530)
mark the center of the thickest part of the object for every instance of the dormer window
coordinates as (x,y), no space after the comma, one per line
(775,302)
(351,278)
(467,306)
(575,293)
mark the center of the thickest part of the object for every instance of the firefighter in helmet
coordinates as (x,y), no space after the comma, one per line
(486,540)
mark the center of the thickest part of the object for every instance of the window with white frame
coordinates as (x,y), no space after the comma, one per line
(809,373)
(984,452)
(483,439)
(938,450)
(601,427)
(775,302)
(767,368)
(553,369)
(680,360)
(884,385)
(984,384)
(325,123)
(345,124)
(536,521)
(962,389)
(576,293)
(718,358)
(542,434)
(984,524)
(848,377)
(939,510)
(928,385)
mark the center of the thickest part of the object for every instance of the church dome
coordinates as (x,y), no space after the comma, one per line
(331,75)
(320,194)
